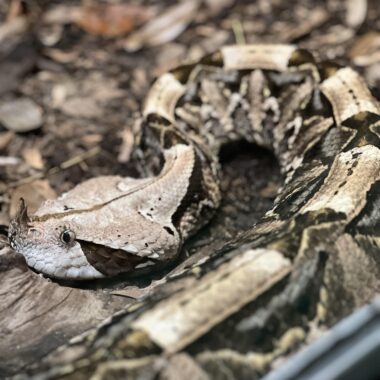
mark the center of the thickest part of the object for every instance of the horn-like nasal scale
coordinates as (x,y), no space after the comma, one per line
(22,213)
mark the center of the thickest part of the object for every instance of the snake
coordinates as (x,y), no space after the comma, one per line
(319,118)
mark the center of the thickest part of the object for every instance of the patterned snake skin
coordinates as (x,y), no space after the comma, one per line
(319,119)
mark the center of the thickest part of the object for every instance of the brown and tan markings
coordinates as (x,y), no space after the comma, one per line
(322,123)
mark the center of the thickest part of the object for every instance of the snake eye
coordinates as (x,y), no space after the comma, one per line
(67,236)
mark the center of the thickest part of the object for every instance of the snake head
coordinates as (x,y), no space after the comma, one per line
(63,246)
(49,247)
(111,225)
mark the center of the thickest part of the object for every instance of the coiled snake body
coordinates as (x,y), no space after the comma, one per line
(319,119)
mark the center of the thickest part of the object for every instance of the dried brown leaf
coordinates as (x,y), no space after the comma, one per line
(270,190)
(126,145)
(33,157)
(15,26)
(15,9)
(90,140)
(5,139)
(112,20)
(366,49)
(62,56)
(316,18)
(61,14)
(217,6)
(165,27)
(81,107)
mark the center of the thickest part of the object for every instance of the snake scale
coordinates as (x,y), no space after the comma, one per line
(319,119)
